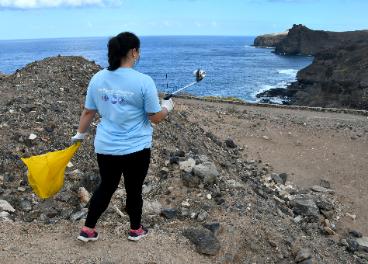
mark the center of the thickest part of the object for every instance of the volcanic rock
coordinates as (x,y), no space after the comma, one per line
(336,79)
(204,241)
(170,212)
(270,40)
(212,226)
(302,255)
(301,40)
(190,180)
(305,206)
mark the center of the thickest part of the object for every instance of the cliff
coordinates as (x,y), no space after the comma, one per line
(270,40)
(338,77)
(303,41)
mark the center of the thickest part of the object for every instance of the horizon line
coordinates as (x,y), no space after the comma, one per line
(20,39)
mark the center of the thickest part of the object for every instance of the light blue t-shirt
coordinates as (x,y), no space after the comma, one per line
(122,97)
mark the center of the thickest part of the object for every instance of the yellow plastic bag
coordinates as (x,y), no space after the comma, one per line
(46,172)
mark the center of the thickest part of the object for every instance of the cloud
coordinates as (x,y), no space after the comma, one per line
(37,4)
(199,24)
(129,5)
(214,24)
(90,25)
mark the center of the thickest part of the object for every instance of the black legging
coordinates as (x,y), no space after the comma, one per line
(134,168)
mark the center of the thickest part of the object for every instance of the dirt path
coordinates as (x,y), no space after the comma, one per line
(307,145)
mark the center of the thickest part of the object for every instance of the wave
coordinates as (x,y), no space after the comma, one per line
(289,72)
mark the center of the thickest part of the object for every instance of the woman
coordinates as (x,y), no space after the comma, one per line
(126,100)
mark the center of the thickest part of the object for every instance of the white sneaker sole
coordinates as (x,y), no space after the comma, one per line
(84,239)
(137,238)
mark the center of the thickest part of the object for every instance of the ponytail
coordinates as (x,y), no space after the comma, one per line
(118,48)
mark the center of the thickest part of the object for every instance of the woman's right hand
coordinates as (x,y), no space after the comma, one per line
(168,104)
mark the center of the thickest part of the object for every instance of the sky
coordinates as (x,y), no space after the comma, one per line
(34,19)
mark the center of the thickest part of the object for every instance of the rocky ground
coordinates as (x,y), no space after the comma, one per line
(227,183)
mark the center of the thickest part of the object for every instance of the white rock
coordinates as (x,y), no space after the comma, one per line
(185,204)
(193,215)
(147,189)
(187,165)
(184,211)
(152,208)
(32,136)
(363,241)
(6,206)
(4,214)
(202,216)
(70,164)
(209,197)
(297,219)
(277,199)
(119,193)
(21,189)
(4,217)
(352,216)
(318,188)
(234,184)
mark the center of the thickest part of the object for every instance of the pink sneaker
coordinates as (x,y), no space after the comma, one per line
(135,235)
(86,236)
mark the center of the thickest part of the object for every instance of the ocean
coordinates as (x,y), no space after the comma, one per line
(234,68)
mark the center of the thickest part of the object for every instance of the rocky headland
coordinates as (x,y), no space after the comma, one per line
(303,41)
(209,196)
(269,40)
(337,78)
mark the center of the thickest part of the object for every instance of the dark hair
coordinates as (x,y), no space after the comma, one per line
(118,48)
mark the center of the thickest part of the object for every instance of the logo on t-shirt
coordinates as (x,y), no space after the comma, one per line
(105,98)
(113,99)
(122,100)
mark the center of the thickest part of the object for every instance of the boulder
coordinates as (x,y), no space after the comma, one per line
(151,207)
(5,206)
(363,241)
(190,180)
(170,212)
(206,171)
(305,206)
(302,255)
(323,204)
(276,178)
(212,226)
(318,188)
(204,241)
(187,165)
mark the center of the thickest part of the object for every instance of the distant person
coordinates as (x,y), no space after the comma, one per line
(126,100)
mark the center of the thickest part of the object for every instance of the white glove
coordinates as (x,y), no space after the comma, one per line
(168,104)
(78,138)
